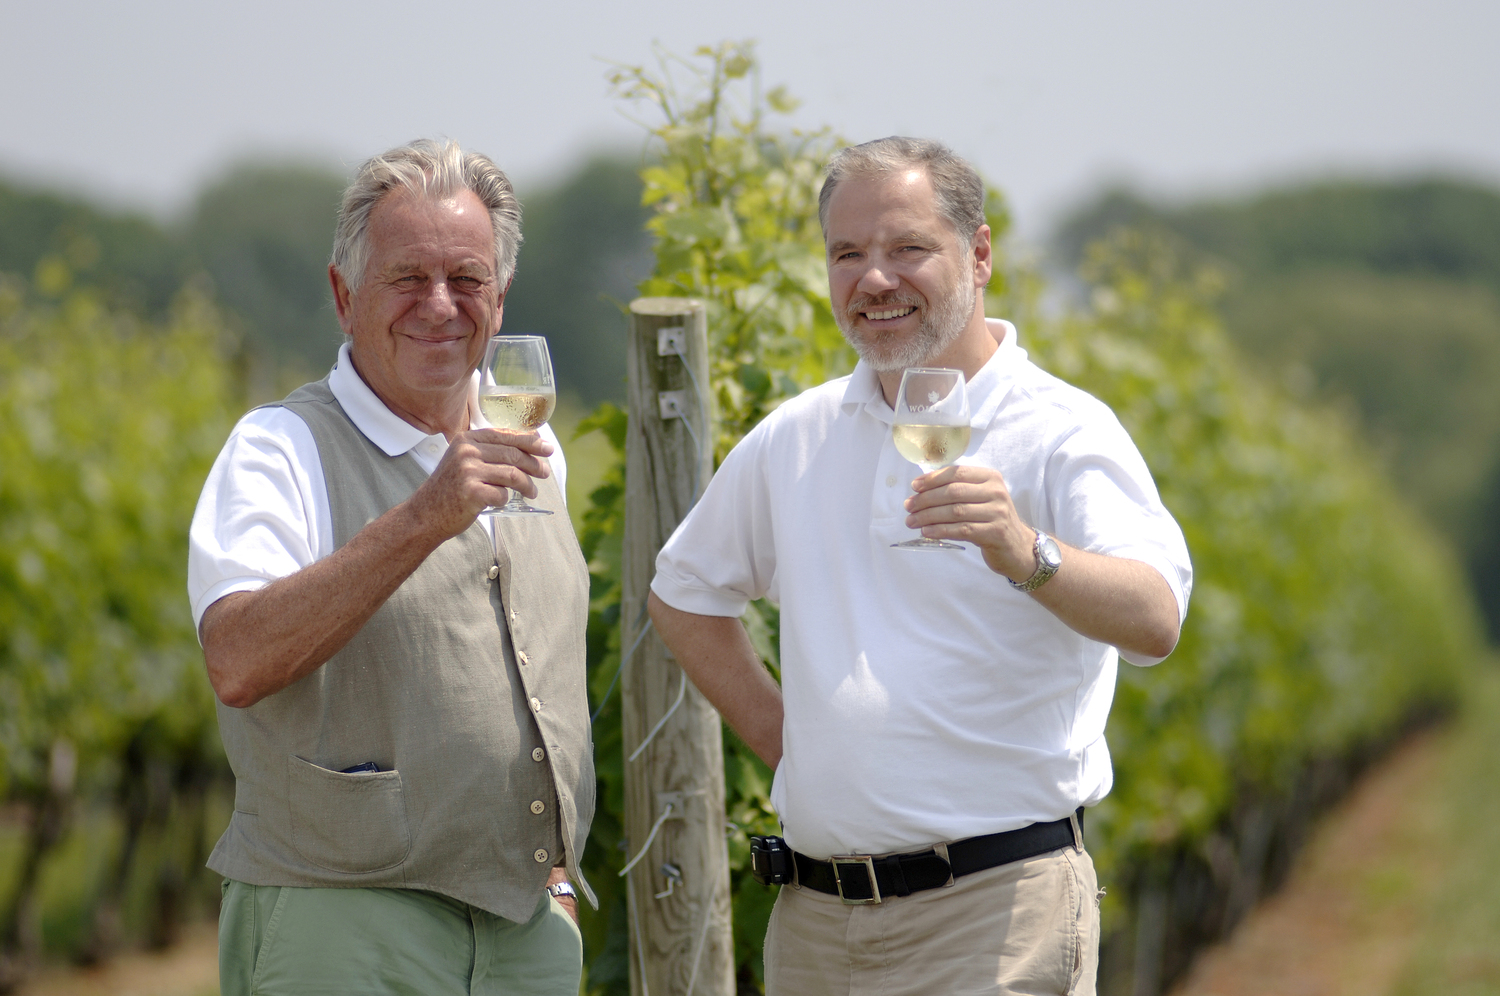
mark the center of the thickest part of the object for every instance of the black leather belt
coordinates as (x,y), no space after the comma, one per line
(861,879)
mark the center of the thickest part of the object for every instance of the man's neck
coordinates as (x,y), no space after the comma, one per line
(439,412)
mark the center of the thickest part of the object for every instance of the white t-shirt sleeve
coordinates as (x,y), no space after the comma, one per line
(1103,500)
(263,513)
(722,556)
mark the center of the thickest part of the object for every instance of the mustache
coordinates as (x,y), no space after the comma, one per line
(885,301)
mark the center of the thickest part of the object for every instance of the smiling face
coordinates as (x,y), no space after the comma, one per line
(427,305)
(903,289)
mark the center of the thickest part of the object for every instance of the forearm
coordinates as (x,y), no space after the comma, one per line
(716,654)
(1124,603)
(257,643)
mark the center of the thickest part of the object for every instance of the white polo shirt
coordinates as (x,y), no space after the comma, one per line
(264,512)
(926,700)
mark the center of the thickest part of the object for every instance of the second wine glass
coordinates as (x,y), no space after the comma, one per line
(516,392)
(931,427)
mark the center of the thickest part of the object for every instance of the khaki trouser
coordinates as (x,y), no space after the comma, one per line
(276,941)
(1028,927)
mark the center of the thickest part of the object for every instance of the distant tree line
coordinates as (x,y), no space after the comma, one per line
(257,240)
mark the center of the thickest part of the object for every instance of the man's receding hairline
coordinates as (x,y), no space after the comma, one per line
(956,186)
(385,203)
(919,172)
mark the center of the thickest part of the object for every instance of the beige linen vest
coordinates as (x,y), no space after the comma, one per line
(466,688)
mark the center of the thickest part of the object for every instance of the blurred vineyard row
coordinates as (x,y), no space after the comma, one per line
(1329,615)
(108,748)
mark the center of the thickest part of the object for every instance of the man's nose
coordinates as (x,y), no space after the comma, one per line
(437,303)
(877,279)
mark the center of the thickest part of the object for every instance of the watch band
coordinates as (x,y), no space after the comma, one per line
(561,889)
(1048,560)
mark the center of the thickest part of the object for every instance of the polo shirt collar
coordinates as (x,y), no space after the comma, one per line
(381,426)
(986,389)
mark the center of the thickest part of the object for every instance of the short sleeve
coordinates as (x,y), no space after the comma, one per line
(722,556)
(1103,500)
(260,516)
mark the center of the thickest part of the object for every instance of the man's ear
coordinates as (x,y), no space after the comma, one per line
(984,259)
(342,300)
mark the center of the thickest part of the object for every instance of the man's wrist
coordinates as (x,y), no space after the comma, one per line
(1048,558)
(557,890)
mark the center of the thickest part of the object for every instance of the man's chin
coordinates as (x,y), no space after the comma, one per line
(890,359)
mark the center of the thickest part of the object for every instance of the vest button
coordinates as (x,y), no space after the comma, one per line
(541,855)
(536,705)
(537,753)
(494,571)
(538,807)
(521,656)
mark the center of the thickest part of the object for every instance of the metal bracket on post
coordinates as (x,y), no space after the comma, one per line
(673,404)
(671,340)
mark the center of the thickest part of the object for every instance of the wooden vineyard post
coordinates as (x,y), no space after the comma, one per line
(678,883)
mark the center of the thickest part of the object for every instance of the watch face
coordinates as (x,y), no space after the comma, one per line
(1049,553)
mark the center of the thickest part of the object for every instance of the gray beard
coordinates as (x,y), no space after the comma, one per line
(940,326)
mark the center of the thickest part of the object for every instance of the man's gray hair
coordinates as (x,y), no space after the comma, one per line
(956,185)
(433,170)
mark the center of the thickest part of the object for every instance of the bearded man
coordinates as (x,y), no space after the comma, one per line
(939,728)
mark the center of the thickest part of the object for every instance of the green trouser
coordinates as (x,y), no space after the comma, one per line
(280,941)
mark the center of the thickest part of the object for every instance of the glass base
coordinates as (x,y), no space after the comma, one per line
(515,506)
(507,510)
(927,544)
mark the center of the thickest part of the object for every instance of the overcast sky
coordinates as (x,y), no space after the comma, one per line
(139,103)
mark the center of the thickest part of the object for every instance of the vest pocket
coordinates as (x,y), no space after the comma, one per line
(347,823)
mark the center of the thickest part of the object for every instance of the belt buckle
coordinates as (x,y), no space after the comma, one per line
(862,861)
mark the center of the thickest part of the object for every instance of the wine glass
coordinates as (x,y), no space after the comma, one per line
(516,392)
(931,428)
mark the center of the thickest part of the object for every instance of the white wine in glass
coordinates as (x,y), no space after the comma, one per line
(516,392)
(931,428)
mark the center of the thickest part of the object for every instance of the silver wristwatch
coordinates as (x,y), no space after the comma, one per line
(561,889)
(1048,560)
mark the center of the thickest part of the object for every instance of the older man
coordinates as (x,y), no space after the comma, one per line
(940,724)
(401,687)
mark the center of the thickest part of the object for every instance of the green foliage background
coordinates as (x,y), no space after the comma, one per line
(1382,295)
(108,425)
(107,428)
